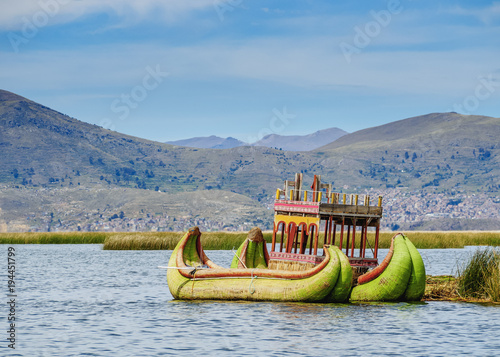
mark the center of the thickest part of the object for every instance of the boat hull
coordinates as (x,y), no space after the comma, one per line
(248,284)
(192,276)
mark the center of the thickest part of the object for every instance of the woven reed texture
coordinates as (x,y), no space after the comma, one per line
(289,265)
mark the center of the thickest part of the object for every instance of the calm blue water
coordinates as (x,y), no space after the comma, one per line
(79,300)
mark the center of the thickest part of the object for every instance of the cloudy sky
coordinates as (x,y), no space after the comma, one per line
(173,69)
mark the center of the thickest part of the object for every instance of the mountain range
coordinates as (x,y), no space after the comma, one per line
(47,154)
(209,142)
(283,142)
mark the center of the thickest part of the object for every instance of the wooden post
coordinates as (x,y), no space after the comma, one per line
(380,201)
(296,240)
(313,239)
(334,232)
(377,230)
(316,242)
(341,234)
(361,241)
(292,228)
(325,238)
(364,239)
(305,196)
(278,194)
(273,243)
(303,239)
(282,236)
(345,198)
(356,200)
(347,241)
(353,237)
(330,220)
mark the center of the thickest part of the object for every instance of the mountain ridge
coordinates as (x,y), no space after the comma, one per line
(42,149)
(306,142)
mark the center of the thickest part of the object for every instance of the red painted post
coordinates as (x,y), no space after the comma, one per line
(312,233)
(316,241)
(365,239)
(330,220)
(292,229)
(303,239)
(334,232)
(375,251)
(341,234)
(282,236)
(325,238)
(274,237)
(353,237)
(347,242)
(362,241)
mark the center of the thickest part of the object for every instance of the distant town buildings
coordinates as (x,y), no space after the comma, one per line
(401,209)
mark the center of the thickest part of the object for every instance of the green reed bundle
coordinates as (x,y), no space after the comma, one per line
(479,277)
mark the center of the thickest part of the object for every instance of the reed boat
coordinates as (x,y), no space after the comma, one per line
(296,268)
(192,275)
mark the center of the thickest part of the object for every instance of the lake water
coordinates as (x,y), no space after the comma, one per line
(77,300)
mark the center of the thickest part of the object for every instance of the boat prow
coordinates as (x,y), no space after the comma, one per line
(400,276)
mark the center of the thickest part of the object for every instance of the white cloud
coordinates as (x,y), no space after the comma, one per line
(299,63)
(14,14)
(487,14)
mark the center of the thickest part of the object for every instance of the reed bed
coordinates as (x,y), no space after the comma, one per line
(53,238)
(168,240)
(229,240)
(479,277)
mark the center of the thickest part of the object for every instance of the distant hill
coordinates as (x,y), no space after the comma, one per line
(209,142)
(439,150)
(42,149)
(301,142)
(282,142)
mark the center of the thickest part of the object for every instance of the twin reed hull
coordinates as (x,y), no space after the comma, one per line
(327,281)
(400,277)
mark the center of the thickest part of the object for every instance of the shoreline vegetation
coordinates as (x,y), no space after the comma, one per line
(477,280)
(229,240)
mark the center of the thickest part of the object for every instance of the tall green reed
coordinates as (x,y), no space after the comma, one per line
(479,276)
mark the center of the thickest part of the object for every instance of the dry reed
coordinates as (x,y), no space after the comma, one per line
(290,265)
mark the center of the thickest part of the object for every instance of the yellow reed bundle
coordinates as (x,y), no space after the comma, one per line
(289,265)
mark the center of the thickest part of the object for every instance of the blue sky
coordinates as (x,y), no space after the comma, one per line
(168,70)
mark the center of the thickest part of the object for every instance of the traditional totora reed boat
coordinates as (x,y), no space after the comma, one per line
(192,275)
(288,273)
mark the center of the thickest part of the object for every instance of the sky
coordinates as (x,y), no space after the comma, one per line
(175,69)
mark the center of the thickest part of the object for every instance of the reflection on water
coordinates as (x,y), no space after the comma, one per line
(80,300)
